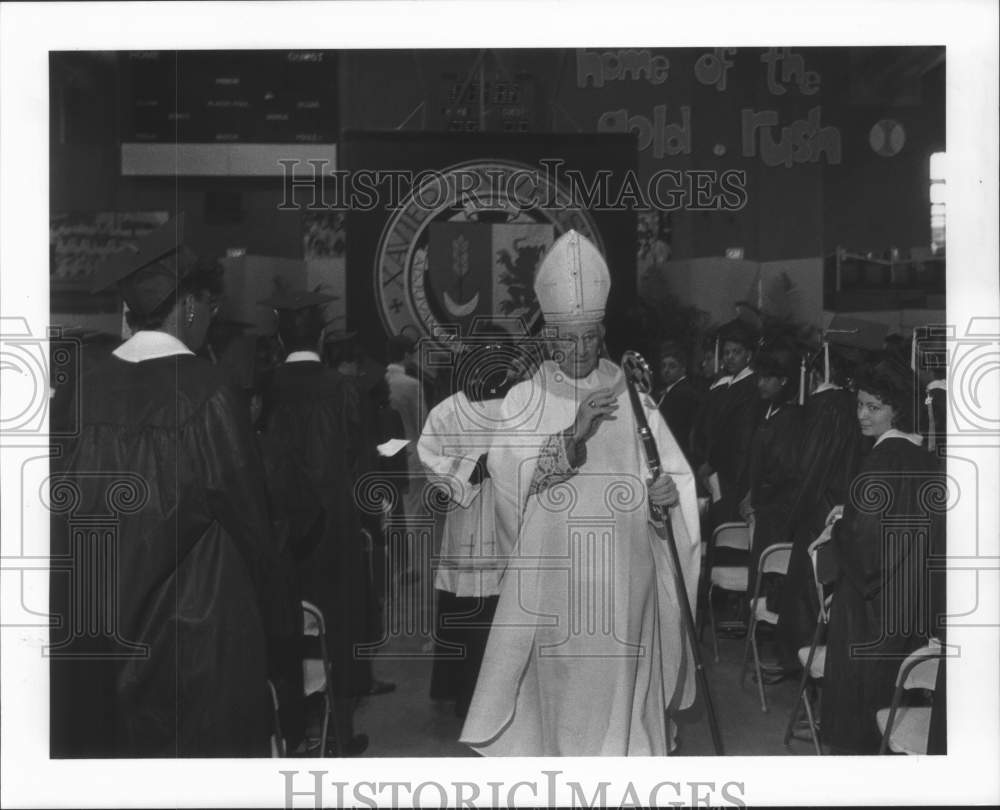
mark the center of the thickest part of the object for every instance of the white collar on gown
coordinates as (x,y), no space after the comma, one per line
(150,344)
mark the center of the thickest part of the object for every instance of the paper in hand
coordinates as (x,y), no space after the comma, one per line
(391,447)
(714,487)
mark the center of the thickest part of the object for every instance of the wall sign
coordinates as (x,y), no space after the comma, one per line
(474,251)
(667,130)
(887,137)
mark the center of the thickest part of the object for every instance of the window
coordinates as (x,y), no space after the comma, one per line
(938,197)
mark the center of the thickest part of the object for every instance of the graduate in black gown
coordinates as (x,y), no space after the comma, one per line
(162,573)
(882,603)
(724,434)
(931,358)
(365,383)
(774,450)
(311,444)
(681,400)
(827,460)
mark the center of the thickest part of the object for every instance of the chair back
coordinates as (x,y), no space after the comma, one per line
(732,535)
(920,669)
(822,599)
(277,738)
(312,620)
(774,559)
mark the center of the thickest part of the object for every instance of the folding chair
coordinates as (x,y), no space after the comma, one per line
(773,560)
(317,675)
(736,578)
(278,748)
(905,728)
(813,657)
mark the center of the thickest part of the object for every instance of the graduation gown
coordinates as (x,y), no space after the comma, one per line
(310,446)
(680,407)
(161,539)
(587,648)
(827,460)
(724,437)
(773,478)
(881,608)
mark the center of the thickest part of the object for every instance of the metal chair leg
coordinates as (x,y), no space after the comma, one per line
(324,727)
(812,724)
(746,651)
(330,719)
(793,719)
(711,624)
(757,668)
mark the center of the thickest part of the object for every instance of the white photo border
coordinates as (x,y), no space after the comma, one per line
(968,29)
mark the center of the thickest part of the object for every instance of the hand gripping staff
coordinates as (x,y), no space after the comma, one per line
(639,379)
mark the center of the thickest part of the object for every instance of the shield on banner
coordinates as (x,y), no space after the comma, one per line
(479,270)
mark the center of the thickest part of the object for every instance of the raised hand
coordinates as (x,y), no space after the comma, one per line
(598,407)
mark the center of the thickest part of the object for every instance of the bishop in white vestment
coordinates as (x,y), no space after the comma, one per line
(588,651)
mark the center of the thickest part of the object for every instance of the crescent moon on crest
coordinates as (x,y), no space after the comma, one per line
(461,310)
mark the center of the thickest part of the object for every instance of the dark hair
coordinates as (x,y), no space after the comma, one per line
(893,384)
(342,351)
(840,365)
(779,362)
(205,278)
(398,346)
(300,329)
(674,349)
(738,332)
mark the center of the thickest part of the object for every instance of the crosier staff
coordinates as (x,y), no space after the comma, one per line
(638,377)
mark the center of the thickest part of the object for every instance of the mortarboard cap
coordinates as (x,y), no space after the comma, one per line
(294,300)
(738,331)
(776,361)
(148,273)
(339,336)
(856,333)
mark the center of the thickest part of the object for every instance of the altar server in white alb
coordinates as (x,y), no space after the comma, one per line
(453,448)
(587,654)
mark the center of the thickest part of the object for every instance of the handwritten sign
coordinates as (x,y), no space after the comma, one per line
(624,64)
(668,132)
(712,67)
(785,67)
(802,141)
(666,139)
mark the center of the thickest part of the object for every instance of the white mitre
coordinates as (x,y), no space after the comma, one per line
(573,282)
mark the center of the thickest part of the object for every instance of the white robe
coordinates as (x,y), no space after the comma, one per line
(588,648)
(472,557)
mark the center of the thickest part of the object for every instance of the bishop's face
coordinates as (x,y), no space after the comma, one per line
(578,348)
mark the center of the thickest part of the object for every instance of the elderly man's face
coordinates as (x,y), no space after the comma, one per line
(578,348)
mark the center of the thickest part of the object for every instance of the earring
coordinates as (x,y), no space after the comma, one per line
(190,317)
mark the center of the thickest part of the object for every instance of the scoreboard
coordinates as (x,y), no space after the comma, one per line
(228,96)
(508,104)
